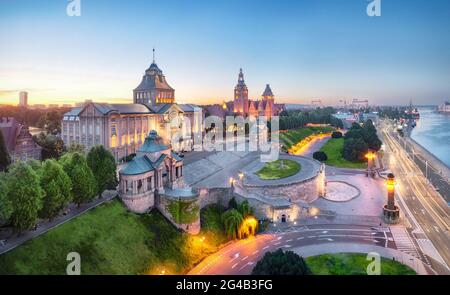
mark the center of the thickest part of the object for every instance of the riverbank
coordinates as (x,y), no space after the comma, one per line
(434,161)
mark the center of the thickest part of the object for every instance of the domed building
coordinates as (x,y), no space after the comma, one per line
(154,179)
(153,88)
(122,128)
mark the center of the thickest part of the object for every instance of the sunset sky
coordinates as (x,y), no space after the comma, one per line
(312,49)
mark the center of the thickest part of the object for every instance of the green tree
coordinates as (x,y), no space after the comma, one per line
(355,149)
(84,185)
(5,202)
(320,156)
(103,165)
(244,208)
(281,263)
(52,145)
(232,204)
(5,160)
(52,122)
(57,189)
(370,136)
(25,195)
(76,147)
(232,220)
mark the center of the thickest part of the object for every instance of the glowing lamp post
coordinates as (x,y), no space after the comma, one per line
(370,156)
(241,176)
(391,211)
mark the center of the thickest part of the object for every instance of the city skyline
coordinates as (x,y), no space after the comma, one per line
(318,50)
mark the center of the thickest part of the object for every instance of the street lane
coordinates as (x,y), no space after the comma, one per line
(427,207)
(241,256)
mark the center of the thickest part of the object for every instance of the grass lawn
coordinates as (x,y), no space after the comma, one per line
(353,264)
(111,240)
(293,136)
(279,169)
(333,148)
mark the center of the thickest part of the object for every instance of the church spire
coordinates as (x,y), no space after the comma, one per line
(153,54)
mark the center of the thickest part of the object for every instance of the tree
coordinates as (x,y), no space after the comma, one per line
(355,149)
(232,204)
(355,131)
(84,185)
(52,145)
(232,220)
(5,159)
(320,156)
(25,195)
(5,202)
(281,263)
(76,147)
(103,165)
(244,208)
(57,186)
(370,136)
(336,134)
(52,122)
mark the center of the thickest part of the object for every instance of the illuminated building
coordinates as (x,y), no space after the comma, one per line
(122,128)
(245,107)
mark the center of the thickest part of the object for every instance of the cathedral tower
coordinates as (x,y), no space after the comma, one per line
(241,96)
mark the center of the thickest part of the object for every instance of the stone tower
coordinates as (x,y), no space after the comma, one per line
(240,96)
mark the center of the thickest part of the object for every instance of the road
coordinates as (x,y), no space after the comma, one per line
(428,211)
(240,257)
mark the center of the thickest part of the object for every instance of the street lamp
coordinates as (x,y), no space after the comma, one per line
(391,212)
(241,176)
(370,156)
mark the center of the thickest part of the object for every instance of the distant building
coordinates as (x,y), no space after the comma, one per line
(23,99)
(445,108)
(67,105)
(122,128)
(359,104)
(53,106)
(243,106)
(347,118)
(19,141)
(373,116)
(39,106)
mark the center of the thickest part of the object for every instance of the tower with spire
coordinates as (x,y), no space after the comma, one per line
(240,105)
(153,89)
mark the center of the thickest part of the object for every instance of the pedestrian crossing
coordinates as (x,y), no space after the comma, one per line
(404,242)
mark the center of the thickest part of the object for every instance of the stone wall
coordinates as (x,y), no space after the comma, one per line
(192,227)
(306,191)
(139,203)
(261,210)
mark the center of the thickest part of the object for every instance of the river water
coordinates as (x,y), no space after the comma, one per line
(433,133)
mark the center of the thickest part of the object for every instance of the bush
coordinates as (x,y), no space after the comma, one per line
(281,263)
(336,134)
(320,156)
